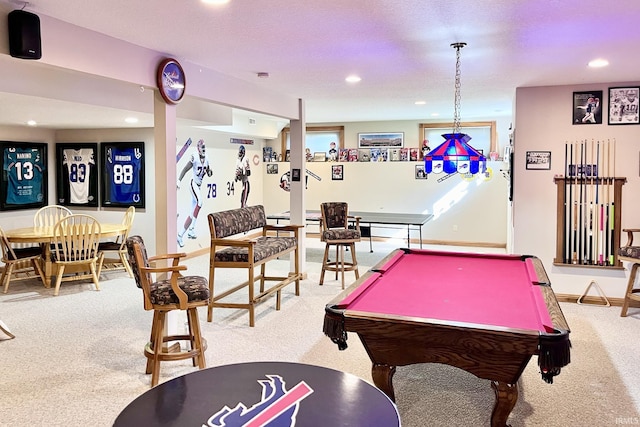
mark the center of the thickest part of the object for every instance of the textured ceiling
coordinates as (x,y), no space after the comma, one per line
(401,49)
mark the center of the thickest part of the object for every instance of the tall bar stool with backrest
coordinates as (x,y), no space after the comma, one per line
(178,292)
(336,232)
(630,254)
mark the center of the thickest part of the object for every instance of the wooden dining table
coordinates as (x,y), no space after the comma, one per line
(44,237)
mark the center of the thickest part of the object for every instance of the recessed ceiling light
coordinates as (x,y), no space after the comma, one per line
(420,102)
(353,79)
(131,120)
(435,114)
(215,2)
(31,122)
(598,63)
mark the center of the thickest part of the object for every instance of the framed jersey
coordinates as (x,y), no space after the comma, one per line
(123,179)
(77,174)
(24,175)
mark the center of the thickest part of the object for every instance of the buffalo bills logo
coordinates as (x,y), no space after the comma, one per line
(278,407)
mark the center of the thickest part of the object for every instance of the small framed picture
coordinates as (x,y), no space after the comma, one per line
(624,105)
(320,156)
(272,168)
(587,107)
(420,172)
(377,140)
(337,172)
(539,160)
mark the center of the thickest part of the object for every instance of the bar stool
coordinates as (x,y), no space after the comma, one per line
(336,232)
(175,293)
(630,254)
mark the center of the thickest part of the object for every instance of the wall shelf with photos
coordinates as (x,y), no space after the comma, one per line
(318,140)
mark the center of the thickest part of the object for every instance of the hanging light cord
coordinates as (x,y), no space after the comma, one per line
(456,102)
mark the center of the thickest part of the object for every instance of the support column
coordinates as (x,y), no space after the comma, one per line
(297,194)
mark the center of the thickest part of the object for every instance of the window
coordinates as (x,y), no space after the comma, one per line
(318,138)
(483,135)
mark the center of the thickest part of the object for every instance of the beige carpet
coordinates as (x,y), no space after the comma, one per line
(77,359)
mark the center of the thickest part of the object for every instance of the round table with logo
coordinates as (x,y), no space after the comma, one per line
(270,394)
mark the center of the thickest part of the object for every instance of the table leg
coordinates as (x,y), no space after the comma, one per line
(506,397)
(382,377)
(47,265)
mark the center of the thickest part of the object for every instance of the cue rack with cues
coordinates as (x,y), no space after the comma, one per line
(589,206)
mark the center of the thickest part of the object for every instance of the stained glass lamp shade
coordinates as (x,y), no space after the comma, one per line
(455,155)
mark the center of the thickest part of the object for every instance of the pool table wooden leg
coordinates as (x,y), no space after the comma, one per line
(382,377)
(506,397)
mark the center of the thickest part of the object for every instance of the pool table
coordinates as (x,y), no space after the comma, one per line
(484,313)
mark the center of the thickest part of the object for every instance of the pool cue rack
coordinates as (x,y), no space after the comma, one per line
(588,229)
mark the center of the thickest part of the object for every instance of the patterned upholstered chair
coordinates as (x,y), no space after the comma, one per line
(335,231)
(630,253)
(178,292)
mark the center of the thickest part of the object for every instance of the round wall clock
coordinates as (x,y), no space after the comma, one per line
(171,80)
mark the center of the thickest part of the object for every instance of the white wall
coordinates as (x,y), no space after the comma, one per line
(543,122)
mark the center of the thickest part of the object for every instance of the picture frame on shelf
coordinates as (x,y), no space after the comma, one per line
(381,140)
(24,181)
(123,174)
(587,107)
(77,174)
(337,172)
(320,156)
(624,105)
(538,160)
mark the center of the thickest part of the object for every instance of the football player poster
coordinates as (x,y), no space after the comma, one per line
(77,174)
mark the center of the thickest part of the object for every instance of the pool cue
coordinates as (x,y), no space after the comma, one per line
(564,207)
(570,204)
(612,221)
(595,211)
(585,230)
(575,211)
(591,186)
(607,234)
(580,222)
(601,239)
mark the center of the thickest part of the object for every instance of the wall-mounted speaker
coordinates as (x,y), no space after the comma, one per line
(24,35)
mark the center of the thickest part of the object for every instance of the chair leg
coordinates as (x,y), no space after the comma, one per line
(354,260)
(6,331)
(196,336)
(58,279)
(39,270)
(6,276)
(325,260)
(95,272)
(125,263)
(629,291)
(157,348)
(154,324)
(337,260)
(212,273)
(341,260)
(252,304)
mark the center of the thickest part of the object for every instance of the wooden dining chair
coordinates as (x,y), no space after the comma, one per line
(75,244)
(48,216)
(20,262)
(119,245)
(177,292)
